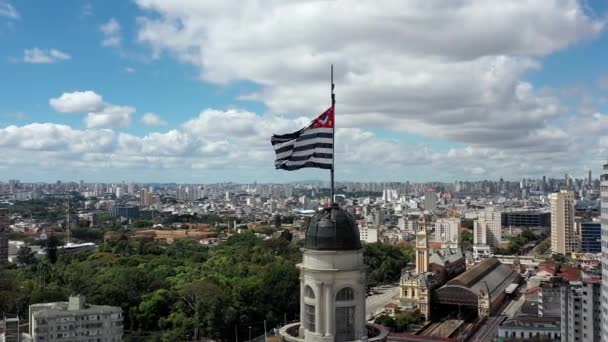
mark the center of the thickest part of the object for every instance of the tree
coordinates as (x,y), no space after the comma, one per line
(277,221)
(404,320)
(52,242)
(385,320)
(466,239)
(25,256)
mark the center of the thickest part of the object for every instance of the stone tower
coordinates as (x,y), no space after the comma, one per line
(422,252)
(333,279)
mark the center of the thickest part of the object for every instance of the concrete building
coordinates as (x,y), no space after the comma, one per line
(487,229)
(590,235)
(604,223)
(368,234)
(9,330)
(127,211)
(530,328)
(581,310)
(526,218)
(333,281)
(75,321)
(430,200)
(4,229)
(563,237)
(447,230)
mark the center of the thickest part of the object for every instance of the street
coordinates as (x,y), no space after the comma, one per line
(375,303)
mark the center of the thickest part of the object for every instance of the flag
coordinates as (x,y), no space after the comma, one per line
(312,146)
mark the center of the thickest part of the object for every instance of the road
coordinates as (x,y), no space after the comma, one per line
(375,303)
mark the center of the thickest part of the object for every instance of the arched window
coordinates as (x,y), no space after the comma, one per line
(345,294)
(308,292)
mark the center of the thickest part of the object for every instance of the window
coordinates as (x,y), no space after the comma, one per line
(345,323)
(345,294)
(308,292)
(309,313)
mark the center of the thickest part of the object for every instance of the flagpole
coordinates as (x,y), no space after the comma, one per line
(333,153)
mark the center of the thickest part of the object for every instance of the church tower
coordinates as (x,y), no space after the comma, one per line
(422,247)
(333,279)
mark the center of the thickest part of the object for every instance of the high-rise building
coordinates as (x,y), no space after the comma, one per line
(591,236)
(487,229)
(430,200)
(446,230)
(563,237)
(4,228)
(581,310)
(604,223)
(75,320)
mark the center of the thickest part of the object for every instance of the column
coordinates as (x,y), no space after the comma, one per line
(319,312)
(302,311)
(330,311)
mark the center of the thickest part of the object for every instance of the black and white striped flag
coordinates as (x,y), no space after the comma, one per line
(312,146)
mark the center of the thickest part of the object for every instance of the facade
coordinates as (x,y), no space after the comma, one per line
(604,223)
(75,320)
(563,237)
(591,236)
(446,230)
(487,229)
(128,211)
(581,310)
(11,330)
(526,218)
(333,279)
(530,328)
(430,200)
(4,229)
(368,234)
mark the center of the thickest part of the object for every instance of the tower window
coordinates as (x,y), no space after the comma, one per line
(308,292)
(309,316)
(345,294)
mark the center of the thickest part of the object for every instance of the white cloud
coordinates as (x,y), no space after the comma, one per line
(36,56)
(112,33)
(77,102)
(152,119)
(130,70)
(8,10)
(110,116)
(100,114)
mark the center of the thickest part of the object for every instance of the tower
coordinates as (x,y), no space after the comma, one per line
(333,279)
(422,253)
(483,300)
(563,237)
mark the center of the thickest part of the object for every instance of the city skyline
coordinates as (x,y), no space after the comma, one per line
(192,91)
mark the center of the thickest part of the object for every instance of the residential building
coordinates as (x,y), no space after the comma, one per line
(487,229)
(75,321)
(591,236)
(563,237)
(4,229)
(604,223)
(581,310)
(368,233)
(446,230)
(430,200)
(530,328)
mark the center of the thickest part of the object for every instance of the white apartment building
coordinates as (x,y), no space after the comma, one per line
(487,229)
(447,230)
(563,237)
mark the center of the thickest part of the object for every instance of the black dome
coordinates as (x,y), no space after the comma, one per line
(332,229)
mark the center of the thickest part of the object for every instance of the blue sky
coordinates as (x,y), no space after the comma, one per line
(431,122)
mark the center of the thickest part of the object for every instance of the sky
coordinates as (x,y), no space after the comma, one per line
(190,91)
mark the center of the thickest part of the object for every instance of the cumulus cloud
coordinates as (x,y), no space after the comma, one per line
(152,119)
(7,10)
(100,114)
(77,102)
(112,33)
(453,71)
(37,56)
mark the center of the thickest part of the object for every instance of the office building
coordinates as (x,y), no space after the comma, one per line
(563,237)
(590,235)
(581,310)
(75,321)
(126,211)
(487,229)
(604,223)
(4,229)
(526,218)
(446,230)
(430,200)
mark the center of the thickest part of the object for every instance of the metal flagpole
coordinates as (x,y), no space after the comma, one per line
(333,153)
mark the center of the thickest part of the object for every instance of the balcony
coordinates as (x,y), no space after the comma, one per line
(290,333)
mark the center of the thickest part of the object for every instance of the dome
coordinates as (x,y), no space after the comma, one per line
(332,229)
